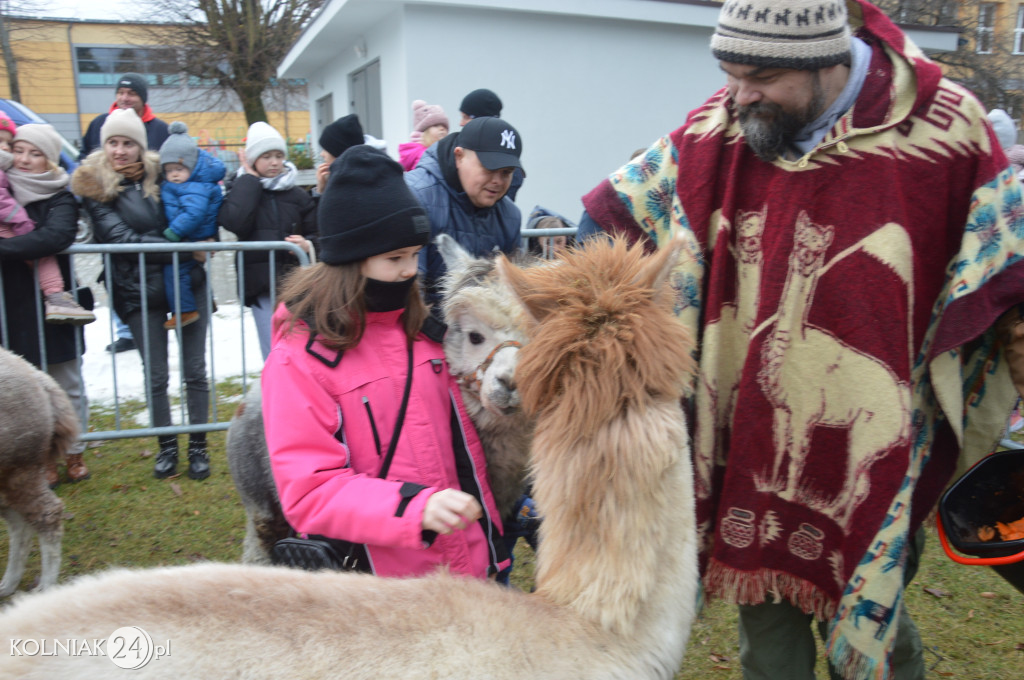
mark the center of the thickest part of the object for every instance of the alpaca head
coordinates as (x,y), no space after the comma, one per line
(602,333)
(485,328)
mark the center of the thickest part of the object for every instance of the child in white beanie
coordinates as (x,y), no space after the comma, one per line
(27,184)
(263,203)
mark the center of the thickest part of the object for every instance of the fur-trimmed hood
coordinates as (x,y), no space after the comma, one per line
(96,178)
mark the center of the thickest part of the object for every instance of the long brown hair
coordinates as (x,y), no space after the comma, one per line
(331,300)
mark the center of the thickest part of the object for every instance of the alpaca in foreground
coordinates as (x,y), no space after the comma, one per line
(37,426)
(604,373)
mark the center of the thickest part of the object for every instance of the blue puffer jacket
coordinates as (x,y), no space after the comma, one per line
(478,230)
(192,206)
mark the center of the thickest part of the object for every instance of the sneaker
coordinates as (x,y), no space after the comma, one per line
(62,308)
(121,345)
(186,319)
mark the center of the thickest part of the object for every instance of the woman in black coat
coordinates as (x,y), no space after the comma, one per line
(38,182)
(119,185)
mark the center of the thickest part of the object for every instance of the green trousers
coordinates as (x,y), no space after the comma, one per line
(777,640)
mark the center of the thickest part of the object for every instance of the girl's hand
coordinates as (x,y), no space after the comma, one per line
(243,162)
(450,510)
(298,240)
(323,171)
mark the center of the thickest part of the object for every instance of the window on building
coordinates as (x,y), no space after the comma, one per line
(102,65)
(986,28)
(1018,32)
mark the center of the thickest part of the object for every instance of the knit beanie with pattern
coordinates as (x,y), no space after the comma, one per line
(798,34)
(179,147)
(367,209)
(426,115)
(42,136)
(124,123)
(262,138)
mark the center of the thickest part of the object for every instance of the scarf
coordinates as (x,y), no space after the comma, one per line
(283,182)
(29,188)
(836,393)
(133,172)
(387,296)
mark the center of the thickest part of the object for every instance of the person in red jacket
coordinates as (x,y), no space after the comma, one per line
(369,440)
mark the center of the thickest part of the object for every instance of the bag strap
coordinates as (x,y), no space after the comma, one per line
(398,423)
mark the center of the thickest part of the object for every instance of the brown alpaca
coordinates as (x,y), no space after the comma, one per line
(617,569)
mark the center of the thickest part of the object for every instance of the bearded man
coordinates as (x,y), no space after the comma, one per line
(854,231)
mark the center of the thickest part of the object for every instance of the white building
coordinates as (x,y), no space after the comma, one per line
(586,82)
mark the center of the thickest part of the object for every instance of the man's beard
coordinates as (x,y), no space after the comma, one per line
(769,129)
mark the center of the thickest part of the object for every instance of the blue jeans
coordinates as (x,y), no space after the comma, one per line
(192,345)
(183,282)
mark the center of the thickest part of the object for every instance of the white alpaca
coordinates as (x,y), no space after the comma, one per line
(37,426)
(617,569)
(485,332)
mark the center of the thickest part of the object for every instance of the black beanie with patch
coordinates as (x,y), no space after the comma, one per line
(133,81)
(367,209)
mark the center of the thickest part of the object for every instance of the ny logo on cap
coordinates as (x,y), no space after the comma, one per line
(508,139)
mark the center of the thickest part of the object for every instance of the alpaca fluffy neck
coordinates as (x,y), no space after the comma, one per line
(618,543)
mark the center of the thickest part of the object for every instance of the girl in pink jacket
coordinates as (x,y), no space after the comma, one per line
(362,448)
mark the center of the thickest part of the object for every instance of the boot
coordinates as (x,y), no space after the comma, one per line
(167,459)
(198,458)
(76,468)
(52,478)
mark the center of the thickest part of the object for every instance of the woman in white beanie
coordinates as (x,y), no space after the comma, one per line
(263,203)
(40,185)
(119,185)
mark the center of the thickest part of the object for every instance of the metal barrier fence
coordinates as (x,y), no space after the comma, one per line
(85,269)
(90,259)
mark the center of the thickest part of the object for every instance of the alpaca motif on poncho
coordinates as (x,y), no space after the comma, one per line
(833,297)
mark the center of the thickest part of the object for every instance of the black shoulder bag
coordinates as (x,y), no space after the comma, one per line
(320,552)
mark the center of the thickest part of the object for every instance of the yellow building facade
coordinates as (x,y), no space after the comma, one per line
(67,70)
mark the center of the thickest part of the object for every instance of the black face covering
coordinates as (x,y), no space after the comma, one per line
(387,296)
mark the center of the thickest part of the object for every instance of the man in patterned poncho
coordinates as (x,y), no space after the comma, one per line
(854,233)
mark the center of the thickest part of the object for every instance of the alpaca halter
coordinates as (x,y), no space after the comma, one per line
(474,381)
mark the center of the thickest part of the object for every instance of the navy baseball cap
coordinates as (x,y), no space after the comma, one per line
(496,143)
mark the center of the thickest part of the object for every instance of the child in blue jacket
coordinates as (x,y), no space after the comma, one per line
(192,196)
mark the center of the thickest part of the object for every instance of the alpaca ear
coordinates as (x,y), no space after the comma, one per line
(456,258)
(658,267)
(517,284)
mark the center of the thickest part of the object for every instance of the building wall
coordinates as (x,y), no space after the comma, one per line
(49,85)
(584,93)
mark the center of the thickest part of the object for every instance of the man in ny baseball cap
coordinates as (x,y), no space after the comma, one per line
(463,182)
(496,143)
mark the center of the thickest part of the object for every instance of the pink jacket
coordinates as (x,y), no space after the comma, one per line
(12,214)
(409,154)
(325,459)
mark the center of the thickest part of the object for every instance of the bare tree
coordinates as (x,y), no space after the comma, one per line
(984,61)
(9,33)
(235,44)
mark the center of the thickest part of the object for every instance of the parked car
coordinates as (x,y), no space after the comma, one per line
(22,115)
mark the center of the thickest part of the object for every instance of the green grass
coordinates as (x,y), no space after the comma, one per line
(971,620)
